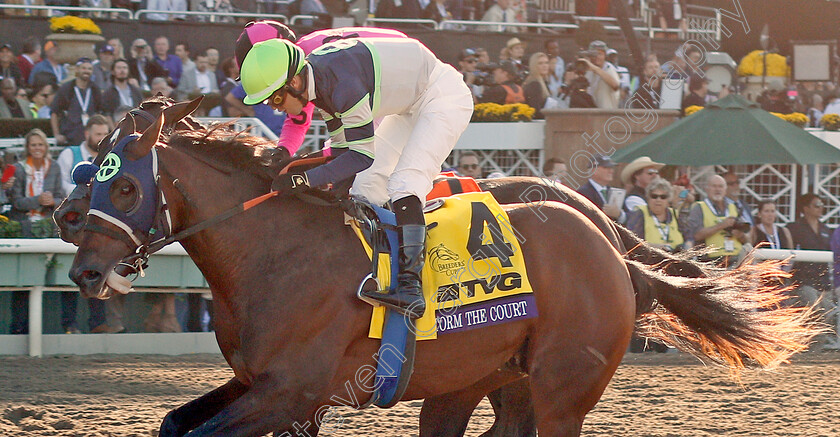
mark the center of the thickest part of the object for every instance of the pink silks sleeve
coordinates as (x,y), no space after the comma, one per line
(295,128)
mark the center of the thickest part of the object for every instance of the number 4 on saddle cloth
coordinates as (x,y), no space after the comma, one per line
(474,276)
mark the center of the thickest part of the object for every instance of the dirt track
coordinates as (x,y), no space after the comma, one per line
(651,395)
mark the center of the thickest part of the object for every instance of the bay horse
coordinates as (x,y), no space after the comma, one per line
(455,408)
(296,336)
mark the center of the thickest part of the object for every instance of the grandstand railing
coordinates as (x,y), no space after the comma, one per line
(279,17)
(425,22)
(52,8)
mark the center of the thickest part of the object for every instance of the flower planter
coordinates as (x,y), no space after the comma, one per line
(72,46)
(503,135)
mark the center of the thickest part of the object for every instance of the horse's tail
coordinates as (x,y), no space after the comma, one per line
(731,317)
(671,264)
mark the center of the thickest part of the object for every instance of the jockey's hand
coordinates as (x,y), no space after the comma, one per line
(288,183)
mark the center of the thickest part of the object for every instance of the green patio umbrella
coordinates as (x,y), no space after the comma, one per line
(731,131)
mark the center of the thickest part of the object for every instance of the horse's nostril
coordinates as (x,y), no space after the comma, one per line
(91,276)
(72,217)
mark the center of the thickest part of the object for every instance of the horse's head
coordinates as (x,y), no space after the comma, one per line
(71,215)
(125,209)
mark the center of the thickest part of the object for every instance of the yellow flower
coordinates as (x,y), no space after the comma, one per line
(3,219)
(692,109)
(753,64)
(796,118)
(496,112)
(830,122)
(71,24)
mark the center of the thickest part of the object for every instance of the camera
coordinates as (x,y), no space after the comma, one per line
(484,75)
(739,225)
(580,66)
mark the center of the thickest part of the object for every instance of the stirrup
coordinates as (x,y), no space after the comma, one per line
(375,280)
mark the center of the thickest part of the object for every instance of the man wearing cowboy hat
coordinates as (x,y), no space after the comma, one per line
(639,174)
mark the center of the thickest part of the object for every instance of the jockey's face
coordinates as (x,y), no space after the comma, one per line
(281,100)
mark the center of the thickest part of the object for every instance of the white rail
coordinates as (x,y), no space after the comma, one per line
(50,9)
(278,17)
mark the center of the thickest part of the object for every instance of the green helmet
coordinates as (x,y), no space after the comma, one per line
(269,66)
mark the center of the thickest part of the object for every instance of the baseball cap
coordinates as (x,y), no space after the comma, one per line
(604,161)
(48,45)
(598,45)
(466,53)
(611,52)
(5,46)
(84,60)
(507,66)
(107,48)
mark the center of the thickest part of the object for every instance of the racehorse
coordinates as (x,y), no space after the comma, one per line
(295,337)
(440,414)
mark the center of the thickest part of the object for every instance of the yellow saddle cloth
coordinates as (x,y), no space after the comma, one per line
(474,274)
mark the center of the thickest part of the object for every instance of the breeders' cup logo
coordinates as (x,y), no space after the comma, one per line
(109,168)
(444,260)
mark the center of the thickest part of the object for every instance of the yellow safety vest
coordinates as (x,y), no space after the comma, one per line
(718,240)
(661,233)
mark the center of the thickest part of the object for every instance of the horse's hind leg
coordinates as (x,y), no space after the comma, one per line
(188,416)
(514,411)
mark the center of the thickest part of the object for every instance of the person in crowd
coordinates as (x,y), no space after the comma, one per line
(537,93)
(557,66)
(231,71)
(698,89)
(655,221)
(121,92)
(766,232)
(733,193)
(597,189)
(833,102)
(602,76)
(41,97)
(141,67)
(575,90)
(182,51)
(120,113)
(49,65)
(516,53)
(96,4)
(556,170)
(623,76)
(35,194)
(75,102)
(714,223)
(775,98)
(637,175)
(12,106)
(30,55)
(271,118)
(482,55)
(469,165)
(8,64)
(808,232)
(505,90)
(501,12)
(160,85)
(815,111)
(650,87)
(670,14)
(199,80)
(169,62)
(119,50)
(102,67)
(436,10)
(467,65)
(212,54)
(833,342)
(169,6)
(398,9)
(219,6)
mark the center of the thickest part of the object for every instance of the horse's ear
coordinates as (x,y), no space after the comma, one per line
(144,144)
(177,112)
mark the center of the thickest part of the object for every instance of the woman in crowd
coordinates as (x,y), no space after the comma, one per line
(766,232)
(657,222)
(537,94)
(34,195)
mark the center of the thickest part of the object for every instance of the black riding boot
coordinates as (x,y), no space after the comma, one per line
(408,297)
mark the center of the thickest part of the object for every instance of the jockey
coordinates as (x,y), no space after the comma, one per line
(425,104)
(295,127)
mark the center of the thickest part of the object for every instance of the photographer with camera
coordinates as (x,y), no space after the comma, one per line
(575,90)
(602,76)
(714,222)
(468,67)
(505,89)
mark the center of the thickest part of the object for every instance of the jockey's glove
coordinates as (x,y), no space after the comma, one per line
(288,183)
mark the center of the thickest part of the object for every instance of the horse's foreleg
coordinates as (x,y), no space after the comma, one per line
(188,416)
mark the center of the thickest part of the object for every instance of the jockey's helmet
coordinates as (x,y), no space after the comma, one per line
(269,66)
(259,31)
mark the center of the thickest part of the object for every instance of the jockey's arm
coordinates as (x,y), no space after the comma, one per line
(351,134)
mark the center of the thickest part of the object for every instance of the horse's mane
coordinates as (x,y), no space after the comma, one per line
(222,147)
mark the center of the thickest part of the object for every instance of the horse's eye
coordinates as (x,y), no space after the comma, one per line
(125,195)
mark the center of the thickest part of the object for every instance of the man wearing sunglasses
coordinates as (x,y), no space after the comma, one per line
(638,174)
(425,107)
